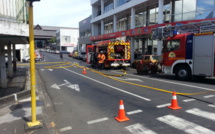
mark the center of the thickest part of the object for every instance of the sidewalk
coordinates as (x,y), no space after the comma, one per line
(15,105)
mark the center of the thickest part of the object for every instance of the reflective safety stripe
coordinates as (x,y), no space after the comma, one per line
(174,97)
(121,106)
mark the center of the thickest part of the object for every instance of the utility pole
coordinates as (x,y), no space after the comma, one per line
(34,122)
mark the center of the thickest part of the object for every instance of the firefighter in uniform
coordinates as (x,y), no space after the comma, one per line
(101,58)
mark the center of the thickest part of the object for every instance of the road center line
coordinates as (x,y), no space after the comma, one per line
(211,105)
(97,120)
(163,105)
(110,86)
(188,100)
(209,96)
(65,129)
(208,89)
(134,112)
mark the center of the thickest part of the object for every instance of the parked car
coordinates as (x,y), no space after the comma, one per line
(64,52)
(80,56)
(149,63)
(136,60)
(71,54)
(75,54)
(26,59)
(57,51)
(84,57)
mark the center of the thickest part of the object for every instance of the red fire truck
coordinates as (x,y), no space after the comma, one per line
(188,50)
(117,53)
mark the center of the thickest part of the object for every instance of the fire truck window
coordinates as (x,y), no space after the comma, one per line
(173,45)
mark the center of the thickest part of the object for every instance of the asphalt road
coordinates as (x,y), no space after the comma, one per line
(88,103)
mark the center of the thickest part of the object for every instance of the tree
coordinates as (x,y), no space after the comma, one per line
(52,40)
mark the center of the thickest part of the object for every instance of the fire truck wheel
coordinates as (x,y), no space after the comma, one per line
(183,73)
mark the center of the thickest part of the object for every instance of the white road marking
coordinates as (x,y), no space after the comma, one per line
(163,105)
(139,129)
(74,86)
(65,129)
(210,105)
(176,83)
(184,125)
(110,86)
(64,83)
(209,96)
(188,100)
(55,86)
(134,112)
(97,120)
(201,113)
(47,69)
(128,79)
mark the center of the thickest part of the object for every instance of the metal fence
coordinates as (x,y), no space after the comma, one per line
(14,10)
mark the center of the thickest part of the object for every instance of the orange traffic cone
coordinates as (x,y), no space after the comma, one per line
(174,104)
(84,71)
(121,113)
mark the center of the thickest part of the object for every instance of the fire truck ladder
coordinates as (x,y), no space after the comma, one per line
(168,31)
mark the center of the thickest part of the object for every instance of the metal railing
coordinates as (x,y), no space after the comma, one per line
(14,10)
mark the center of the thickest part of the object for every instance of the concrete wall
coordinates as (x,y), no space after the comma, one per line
(13,28)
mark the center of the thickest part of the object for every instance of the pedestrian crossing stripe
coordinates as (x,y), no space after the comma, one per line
(139,129)
(201,113)
(184,125)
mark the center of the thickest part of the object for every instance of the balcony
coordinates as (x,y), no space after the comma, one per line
(13,21)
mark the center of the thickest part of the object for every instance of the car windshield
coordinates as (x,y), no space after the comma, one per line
(156,57)
(139,58)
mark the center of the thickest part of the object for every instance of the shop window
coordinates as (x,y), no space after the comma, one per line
(189,5)
(205,4)
(66,39)
(204,14)
(189,16)
(178,7)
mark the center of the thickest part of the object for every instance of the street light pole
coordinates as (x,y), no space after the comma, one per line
(34,122)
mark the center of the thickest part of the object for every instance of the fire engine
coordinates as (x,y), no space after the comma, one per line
(188,50)
(117,53)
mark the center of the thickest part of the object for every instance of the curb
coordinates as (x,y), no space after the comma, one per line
(14,98)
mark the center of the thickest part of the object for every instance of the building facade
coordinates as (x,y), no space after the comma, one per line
(84,34)
(14,30)
(67,39)
(134,19)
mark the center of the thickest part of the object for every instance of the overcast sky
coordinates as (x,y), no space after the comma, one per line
(63,13)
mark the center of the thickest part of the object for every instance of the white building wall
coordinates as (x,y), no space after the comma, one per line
(67,38)
(24,50)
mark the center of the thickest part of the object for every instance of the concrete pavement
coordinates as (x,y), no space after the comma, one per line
(15,106)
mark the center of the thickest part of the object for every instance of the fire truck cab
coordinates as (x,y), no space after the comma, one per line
(117,53)
(189,52)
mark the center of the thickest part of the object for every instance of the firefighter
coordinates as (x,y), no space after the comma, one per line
(101,58)
(61,55)
(35,57)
